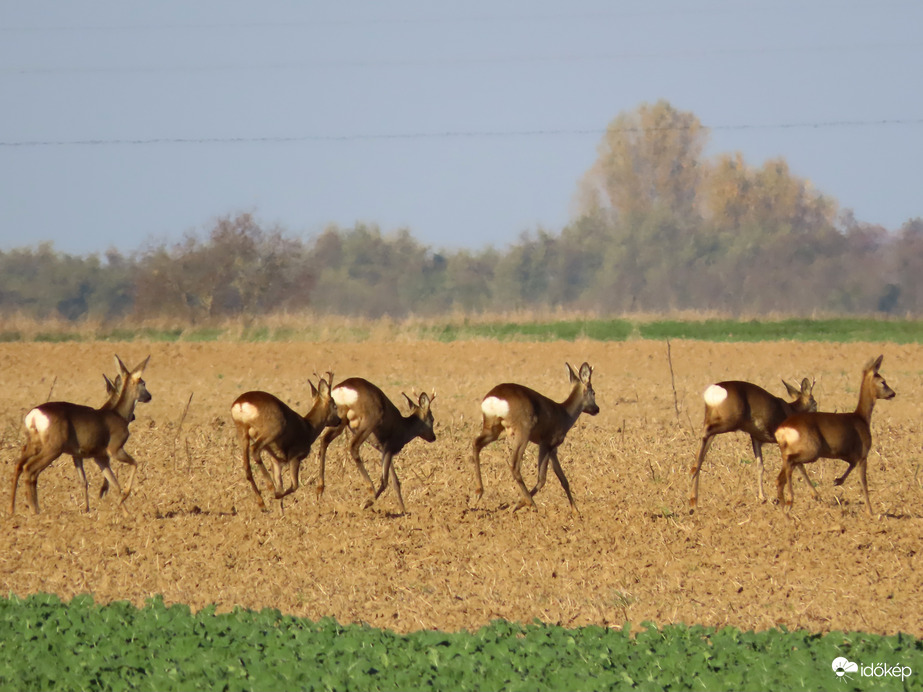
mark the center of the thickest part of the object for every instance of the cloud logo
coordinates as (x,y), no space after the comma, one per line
(841,666)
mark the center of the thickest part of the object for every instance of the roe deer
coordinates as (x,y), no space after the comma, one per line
(807,437)
(59,427)
(112,391)
(742,406)
(369,414)
(265,423)
(528,416)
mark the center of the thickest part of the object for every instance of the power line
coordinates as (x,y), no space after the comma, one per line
(448,134)
(458,61)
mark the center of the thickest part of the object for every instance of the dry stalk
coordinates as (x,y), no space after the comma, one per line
(179,429)
(672,380)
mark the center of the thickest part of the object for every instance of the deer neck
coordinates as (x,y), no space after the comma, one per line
(572,406)
(315,419)
(866,399)
(408,430)
(124,406)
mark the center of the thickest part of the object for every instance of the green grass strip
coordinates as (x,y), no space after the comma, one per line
(840,330)
(49,645)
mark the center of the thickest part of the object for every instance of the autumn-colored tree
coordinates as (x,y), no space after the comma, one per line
(648,159)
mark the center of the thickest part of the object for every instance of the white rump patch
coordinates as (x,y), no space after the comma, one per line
(715,395)
(344,396)
(788,436)
(37,421)
(245,412)
(494,406)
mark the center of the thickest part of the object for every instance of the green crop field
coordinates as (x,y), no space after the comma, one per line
(309,328)
(49,645)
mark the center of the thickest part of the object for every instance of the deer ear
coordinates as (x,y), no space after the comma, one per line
(410,401)
(323,387)
(792,391)
(571,374)
(121,366)
(806,387)
(585,373)
(140,367)
(110,385)
(313,388)
(425,401)
(874,363)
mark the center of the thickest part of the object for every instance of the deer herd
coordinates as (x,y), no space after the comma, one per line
(266,424)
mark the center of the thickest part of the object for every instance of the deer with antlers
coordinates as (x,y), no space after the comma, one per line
(370,415)
(264,422)
(742,406)
(806,437)
(60,427)
(527,416)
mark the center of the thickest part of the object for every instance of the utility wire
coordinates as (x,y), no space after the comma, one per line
(449,134)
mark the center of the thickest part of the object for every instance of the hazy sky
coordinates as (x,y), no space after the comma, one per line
(124,122)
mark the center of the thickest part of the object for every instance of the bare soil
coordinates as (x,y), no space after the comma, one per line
(196,535)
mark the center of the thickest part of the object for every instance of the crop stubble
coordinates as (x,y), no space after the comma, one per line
(196,535)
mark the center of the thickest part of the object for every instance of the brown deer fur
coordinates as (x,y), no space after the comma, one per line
(527,416)
(370,415)
(59,427)
(264,422)
(807,437)
(741,406)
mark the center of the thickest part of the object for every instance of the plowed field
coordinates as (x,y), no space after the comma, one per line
(196,535)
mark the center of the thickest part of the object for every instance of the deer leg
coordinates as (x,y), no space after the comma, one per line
(397,487)
(760,470)
(126,458)
(294,466)
(789,469)
(865,486)
(388,472)
(257,456)
(103,463)
(699,460)
(841,479)
(543,453)
(25,456)
(276,477)
(354,446)
(245,448)
(519,450)
(489,434)
(804,474)
(329,436)
(559,472)
(32,467)
(78,464)
(780,481)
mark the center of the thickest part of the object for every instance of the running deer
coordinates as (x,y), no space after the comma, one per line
(807,437)
(59,427)
(113,389)
(265,423)
(528,416)
(742,406)
(370,415)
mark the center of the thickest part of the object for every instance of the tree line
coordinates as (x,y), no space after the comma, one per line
(658,227)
